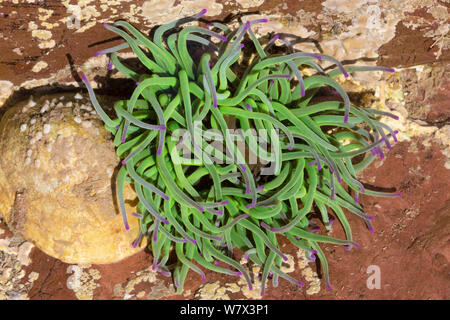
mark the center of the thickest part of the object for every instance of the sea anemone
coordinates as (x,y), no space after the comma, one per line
(224,112)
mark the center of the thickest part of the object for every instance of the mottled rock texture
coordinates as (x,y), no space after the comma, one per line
(57,181)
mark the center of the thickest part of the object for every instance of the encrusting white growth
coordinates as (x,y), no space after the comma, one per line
(78,96)
(77,119)
(44,108)
(46,128)
(86,124)
(23,127)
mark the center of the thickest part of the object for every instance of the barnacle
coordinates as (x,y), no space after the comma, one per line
(219,198)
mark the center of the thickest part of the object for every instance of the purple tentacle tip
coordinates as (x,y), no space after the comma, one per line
(246,215)
(241,46)
(201,209)
(223,38)
(166,197)
(135,244)
(346,74)
(127,227)
(226,202)
(124,162)
(260,188)
(104,24)
(300,284)
(117,127)
(193,241)
(203,278)
(83,77)
(318,57)
(97,54)
(396,118)
(328,287)
(137,83)
(208,25)
(264,20)
(250,287)
(203,11)
(391,70)
(314,229)
(399,194)
(123,140)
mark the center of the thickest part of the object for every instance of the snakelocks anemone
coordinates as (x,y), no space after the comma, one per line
(226,152)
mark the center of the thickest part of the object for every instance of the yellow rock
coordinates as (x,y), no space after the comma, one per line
(57,181)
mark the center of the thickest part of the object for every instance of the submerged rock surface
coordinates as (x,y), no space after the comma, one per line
(57,181)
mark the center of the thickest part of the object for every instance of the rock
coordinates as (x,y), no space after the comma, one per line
(426,93)
(57,182)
